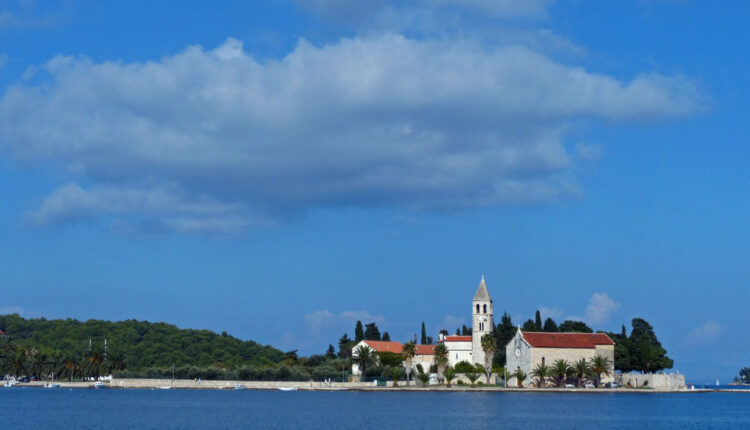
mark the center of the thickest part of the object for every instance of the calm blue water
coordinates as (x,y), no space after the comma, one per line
(30,408)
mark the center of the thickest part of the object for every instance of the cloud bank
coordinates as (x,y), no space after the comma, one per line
(217,141)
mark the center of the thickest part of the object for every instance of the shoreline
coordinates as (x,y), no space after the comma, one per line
(182,384)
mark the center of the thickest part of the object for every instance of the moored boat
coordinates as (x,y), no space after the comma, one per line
(287,388)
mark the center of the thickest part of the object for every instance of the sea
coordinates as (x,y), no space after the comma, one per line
(63,409)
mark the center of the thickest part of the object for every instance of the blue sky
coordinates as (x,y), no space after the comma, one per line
(280,169)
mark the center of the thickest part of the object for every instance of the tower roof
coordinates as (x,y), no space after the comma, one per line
(482,293)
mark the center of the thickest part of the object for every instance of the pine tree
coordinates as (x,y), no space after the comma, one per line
(504,332)
(331,353)
(372,332)
(423,340)
(386,337)
(359,333)
(345,346)
(550,326)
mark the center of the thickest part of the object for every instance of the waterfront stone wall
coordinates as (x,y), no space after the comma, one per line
(657,381)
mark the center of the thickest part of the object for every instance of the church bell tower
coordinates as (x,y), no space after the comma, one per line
(483,323)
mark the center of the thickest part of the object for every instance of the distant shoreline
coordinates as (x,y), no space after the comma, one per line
(184,384)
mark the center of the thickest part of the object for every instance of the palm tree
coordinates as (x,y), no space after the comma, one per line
(441,359)
(395,375)
(450,374)
(600,365)
(559,371)
(520,376)
(541,372)
(581,370)
(365,356)
(424,377)
(473,374)
(489,346)
(408,354)
(19,363)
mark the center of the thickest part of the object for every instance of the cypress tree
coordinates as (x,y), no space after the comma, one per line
(423,340)
(538,321)
(359,333)
(386,337)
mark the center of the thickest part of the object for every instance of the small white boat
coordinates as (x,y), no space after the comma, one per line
(165,388)
(239,387)
(99,384)
(51,385)
(287,388)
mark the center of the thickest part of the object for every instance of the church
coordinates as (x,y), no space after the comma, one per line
(460,348)
(524,351)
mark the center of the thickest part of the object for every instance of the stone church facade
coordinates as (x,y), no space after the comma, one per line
(529,349)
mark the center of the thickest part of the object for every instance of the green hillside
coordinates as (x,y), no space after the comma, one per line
(139,344)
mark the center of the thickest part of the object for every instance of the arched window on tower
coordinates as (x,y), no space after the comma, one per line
(477,308)
(485,308)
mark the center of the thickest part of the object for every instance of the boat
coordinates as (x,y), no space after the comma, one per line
(51,385)
(287,388)
(99,384)
(239,387)
(10,383)
(165,388)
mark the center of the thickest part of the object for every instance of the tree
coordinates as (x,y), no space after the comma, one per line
(345,346)
(395,375)
(520,376)
(423,339)
(541,372)
(600,365)
(646,352)
(444,332)
(372,332)
(581,370)
(473,374)
(359,333)
(623,360)
(550,326)
(441,359)
(423,376)
(559,371)
(574,326)
(365,356)
(529,325)
(458,332)
(538,320)
(504,332)
(745,375)
(450,375)
(331,352)
(489,345)
(408,353)
(386,337)
(465,331)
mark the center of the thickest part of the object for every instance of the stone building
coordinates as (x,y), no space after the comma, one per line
(424,354)
(482,321)
(460,348)
(529,349)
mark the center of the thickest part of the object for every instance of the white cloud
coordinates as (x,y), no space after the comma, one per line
(546,312)
(451,323)
(218,141)
(706,333)
(600,308)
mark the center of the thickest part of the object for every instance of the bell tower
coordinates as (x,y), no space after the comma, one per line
(482,321)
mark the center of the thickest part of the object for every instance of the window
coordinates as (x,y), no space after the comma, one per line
(543,361)
(477,308)
(485,308)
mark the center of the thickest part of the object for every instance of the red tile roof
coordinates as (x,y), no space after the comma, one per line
(397,347)
(380,346)
(458,338)
(566,340)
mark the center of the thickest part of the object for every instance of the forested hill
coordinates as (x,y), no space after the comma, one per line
(140,344)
